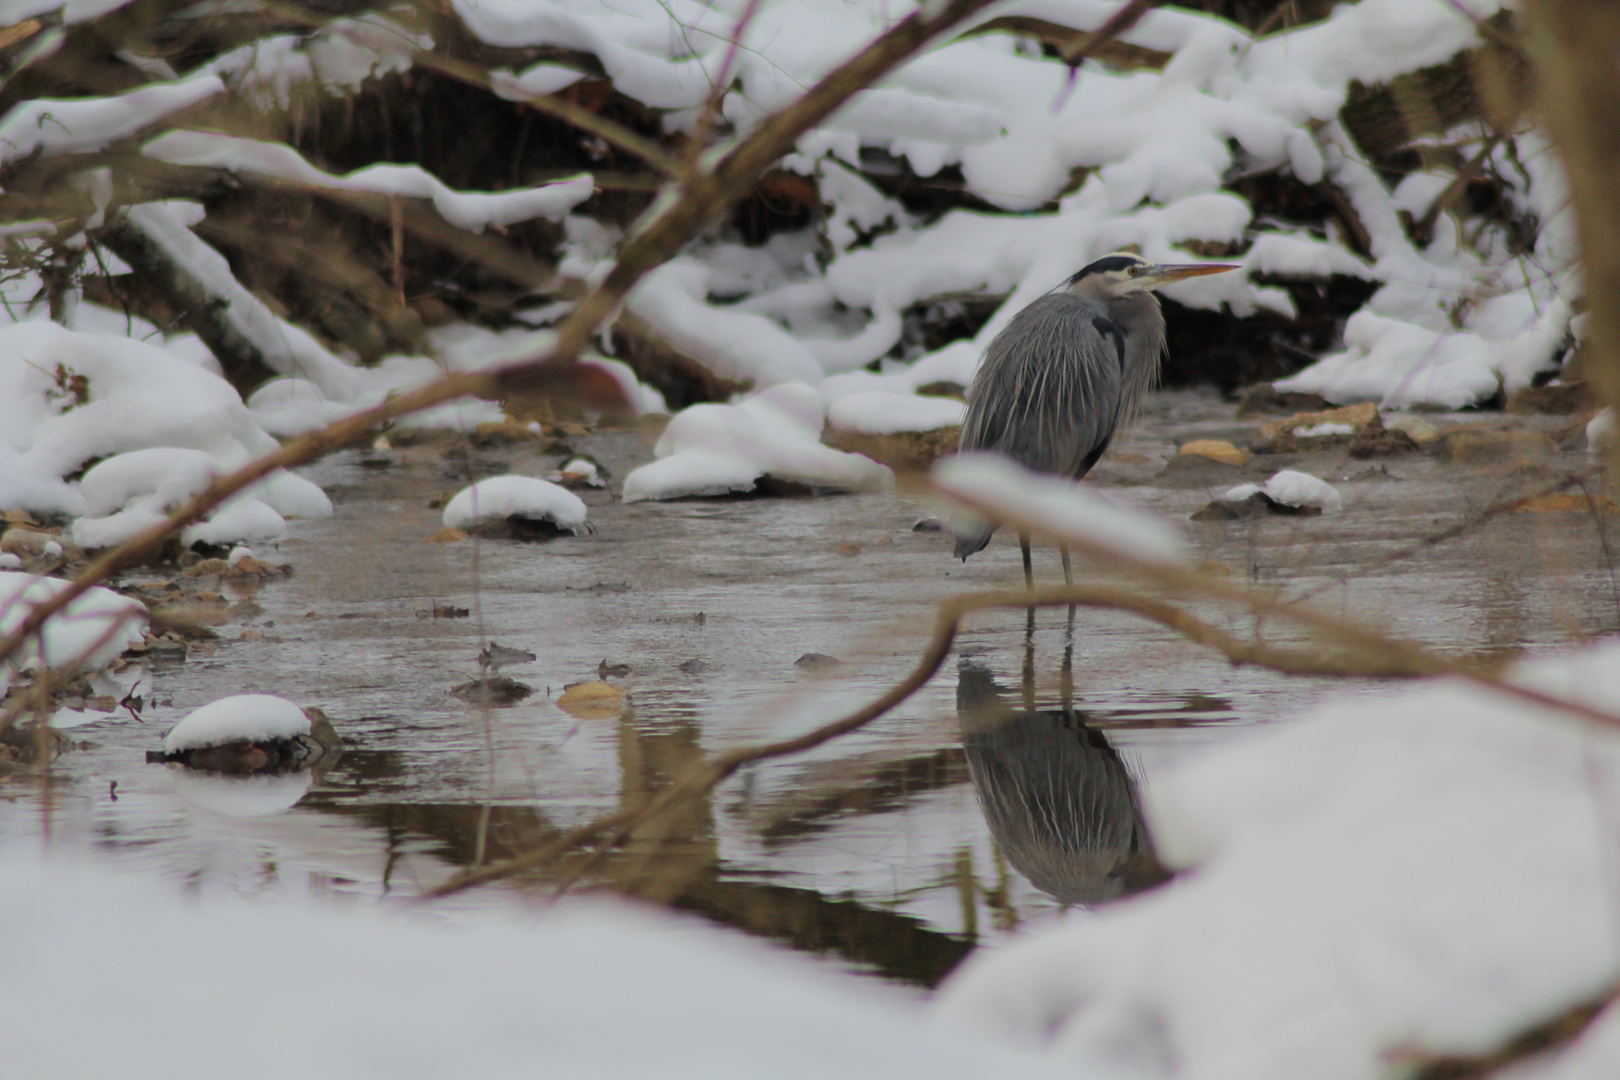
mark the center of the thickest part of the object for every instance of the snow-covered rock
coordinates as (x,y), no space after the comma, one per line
(1291,488)
(715,449)
(879,412)
(238,718)
(501,497)
(92,630)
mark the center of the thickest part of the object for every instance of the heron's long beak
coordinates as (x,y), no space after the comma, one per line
(1165,273)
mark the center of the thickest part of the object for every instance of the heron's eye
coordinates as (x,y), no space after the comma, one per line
(1133,271)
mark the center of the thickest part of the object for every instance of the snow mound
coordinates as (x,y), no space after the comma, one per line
(501,497)
(132,396)
(1603,432)
(880,412)
(1292,488)
(238,718)
(130,492)
(482,996)
(715,449)
(1419,874)
(992,485)
(92,630)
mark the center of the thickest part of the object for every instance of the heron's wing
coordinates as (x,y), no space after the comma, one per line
(1048,392)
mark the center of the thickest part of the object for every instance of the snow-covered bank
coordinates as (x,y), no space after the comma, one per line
(1426,874)
(589,990)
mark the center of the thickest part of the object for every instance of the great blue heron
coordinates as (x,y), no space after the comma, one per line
(1067,371)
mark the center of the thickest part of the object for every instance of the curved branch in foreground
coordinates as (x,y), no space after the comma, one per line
(1392,660)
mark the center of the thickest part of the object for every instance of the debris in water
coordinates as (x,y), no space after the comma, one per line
(695,666)
(593,700)
(606,670)
(494,690)
(814,661)
(499,656)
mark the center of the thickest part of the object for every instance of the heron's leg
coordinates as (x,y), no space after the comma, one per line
(1029,663)
(1029,569)
(1068,579)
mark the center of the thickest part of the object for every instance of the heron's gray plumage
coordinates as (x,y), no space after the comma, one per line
(1068,371)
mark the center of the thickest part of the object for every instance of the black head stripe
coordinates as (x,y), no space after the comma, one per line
(1104,265)
(1109,328)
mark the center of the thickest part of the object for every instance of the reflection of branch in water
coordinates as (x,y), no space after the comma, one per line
(1059,801)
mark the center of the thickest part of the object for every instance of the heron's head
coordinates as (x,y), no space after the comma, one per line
(1123,273)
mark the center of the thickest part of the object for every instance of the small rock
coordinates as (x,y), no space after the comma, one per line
(495,690)
(1317,430)
(447,535)
(250,635)
(381,443)
(928,524)
(849,551)
(499,656)
(1386,443)
(1265,399)
(17,517)
(30,543)
(1256,505)
(902,451)
(1422,431)
(1557,399)
(1216,450)
(944,388)
(814,661)
(606,670)
(209,568)
(593,700)
(248,567)
(695,667)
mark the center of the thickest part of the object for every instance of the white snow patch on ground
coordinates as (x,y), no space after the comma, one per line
(396,994)
(1426,873)
(1062,509)
(238,718)
(85,124)
(502,497)
(92,630)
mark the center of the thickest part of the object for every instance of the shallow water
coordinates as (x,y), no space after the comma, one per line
(871,850)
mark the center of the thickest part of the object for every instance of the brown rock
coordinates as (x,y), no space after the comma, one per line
(1382,444)
(1557,399)
(249,567)
(1359,417)
(23,541)
(1267,400)
(209,568)
(250,635)
(849,551)
(1216,450)
(593,701)
(447,535)
(903,451)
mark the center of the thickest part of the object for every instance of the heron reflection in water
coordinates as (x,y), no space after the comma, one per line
(1060,803)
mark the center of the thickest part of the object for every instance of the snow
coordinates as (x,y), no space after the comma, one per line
(1423,874)
(130,492)
(474,211)
(501,497)
(1061,509)
(1292,488)
(401,994)
(880,412)
(73,635)
(1316,431)
(238,718)
(78,126)
(715,449)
